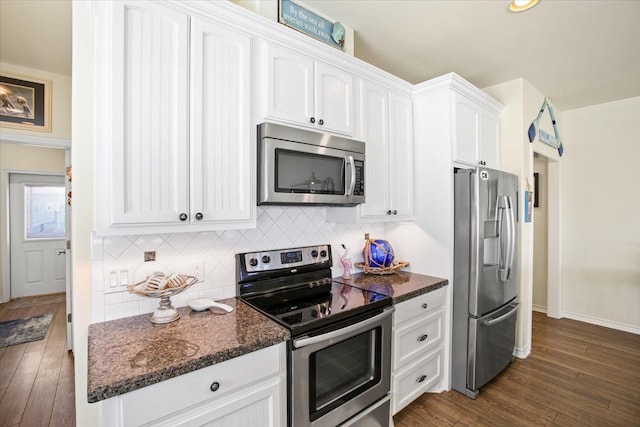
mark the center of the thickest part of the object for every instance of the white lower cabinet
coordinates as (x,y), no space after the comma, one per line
(418,347)
(249,390)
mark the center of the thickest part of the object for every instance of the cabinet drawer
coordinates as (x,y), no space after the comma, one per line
(411,382)
(166,397)
(416,338)
(418,306)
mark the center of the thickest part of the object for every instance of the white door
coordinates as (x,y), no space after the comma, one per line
(37,220)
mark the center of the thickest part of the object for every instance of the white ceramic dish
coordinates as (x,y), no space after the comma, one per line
(206,303)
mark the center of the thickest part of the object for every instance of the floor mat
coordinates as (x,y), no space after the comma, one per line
(31,301)
(19,331)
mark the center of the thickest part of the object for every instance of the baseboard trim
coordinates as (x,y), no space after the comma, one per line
(522,352)
(601,322)
(539,308)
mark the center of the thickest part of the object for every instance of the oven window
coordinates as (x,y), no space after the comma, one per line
(299,172)
(344,370)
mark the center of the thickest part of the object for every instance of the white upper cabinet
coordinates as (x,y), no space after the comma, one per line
(387,130)
(174,125)
(149,146)
(306,92)
(401,179)
(221,132)
(475,132)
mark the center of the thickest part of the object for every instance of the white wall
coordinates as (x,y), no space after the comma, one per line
(540,241)
(521,103)
(516,157)
(82,223)
(601,230)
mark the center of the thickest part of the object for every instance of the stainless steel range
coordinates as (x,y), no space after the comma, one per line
(339,356)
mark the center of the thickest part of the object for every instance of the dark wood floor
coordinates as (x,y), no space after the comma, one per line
(577,375)
(36,378)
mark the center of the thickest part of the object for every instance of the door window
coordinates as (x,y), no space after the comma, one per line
(44,211)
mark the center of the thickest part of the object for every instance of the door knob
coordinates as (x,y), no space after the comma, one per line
(199,216)
(183,217)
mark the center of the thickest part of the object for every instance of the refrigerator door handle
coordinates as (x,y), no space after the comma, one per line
(511,225)
(503,317)
(505,211)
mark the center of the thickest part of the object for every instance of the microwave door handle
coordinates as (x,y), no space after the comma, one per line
(352,184)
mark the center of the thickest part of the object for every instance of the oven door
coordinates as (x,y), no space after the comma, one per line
(338,374)
(296,173)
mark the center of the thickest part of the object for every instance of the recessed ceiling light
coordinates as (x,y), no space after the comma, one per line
(522,5)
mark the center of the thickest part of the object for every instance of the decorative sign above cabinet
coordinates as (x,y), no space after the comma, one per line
(295,16)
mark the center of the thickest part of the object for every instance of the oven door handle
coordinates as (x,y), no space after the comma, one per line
(303,342)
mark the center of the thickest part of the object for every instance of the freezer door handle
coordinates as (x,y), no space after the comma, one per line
(505,316)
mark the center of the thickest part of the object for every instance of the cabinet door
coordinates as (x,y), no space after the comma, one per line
(256,406)
(489,139)
(465,129)
(408,384)
(334,99)
(375,130)
(149,170)
(290,85)
(221,161)
(401,155)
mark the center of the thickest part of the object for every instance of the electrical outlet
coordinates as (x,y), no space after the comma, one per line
(113,279)
(197,270)
(124,277)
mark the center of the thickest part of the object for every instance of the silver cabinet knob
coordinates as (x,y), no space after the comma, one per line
(215,386)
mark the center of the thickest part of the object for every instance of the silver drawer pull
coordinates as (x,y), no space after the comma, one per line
(421,378)
(423,337)
(215,386)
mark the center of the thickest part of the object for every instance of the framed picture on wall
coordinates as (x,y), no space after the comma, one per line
(25,103)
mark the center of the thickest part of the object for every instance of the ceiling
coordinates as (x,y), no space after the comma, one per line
(577,52)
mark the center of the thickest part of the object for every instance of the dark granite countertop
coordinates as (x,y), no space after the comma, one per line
(401,285)
(131,353)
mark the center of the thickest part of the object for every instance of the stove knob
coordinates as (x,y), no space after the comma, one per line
(253,262)
(266,259)
(323,253)
(314,253)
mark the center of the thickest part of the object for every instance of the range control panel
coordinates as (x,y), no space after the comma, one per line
(286,258)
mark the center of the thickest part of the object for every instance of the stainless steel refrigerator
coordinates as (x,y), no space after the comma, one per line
(485,276)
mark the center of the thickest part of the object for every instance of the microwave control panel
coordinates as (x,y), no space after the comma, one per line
(358,190)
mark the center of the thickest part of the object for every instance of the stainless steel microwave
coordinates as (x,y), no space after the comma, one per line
(302,167)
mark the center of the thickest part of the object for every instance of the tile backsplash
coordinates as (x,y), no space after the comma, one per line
(119,260)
